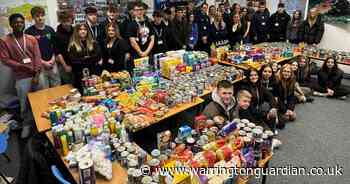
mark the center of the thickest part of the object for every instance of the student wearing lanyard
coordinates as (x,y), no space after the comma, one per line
(91,22)
(160,32)
(203,22)
(140,34)
(278,24)
(260,24)
(21,53)
(115,50)
(193,32)
(46,37)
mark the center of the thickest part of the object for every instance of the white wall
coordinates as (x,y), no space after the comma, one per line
(336,37)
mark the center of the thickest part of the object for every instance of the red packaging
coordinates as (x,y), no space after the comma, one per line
(220,142)
(210,156)
(199,122)
(227,151)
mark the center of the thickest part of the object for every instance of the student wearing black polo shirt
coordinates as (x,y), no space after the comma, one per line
(45,35)
(63,33)
(140,34)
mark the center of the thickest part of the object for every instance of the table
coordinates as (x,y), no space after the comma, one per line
(245,67)
(39,102)
(324,59)
(175,110)
(119,173)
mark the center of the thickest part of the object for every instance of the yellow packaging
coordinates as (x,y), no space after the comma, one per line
(189,69)
(64,145)
(181,178)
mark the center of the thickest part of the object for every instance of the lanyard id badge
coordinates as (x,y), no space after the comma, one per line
(26,59)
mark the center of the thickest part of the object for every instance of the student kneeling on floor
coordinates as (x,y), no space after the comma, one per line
(223,103)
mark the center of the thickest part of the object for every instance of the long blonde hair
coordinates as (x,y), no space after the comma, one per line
(287,84)
(218,21)
(75,40)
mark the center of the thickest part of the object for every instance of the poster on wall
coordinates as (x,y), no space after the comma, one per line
(18,6)
(292,5)
(333,11)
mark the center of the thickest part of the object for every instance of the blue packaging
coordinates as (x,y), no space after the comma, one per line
(184,132)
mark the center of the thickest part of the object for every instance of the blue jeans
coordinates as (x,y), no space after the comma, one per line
(23,87)
(49,78)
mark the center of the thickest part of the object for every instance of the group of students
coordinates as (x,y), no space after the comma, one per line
(269,96)
(41,57)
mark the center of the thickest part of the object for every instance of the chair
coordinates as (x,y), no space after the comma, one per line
(58,175)
(4,135)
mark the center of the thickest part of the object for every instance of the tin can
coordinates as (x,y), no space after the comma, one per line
(132,164)
(70,137)
(257,144)
(123,158)
(146,180)
(163,158)
(87,172)
(132,157)
(196,148)
(247,141)
(250,135)
(257,133)
(155,153)
(78,135)
(156,178)
(211,136)
(190,141)
(131,149)
(127,144)
(120,149)
(53,118)
(247,129)
(154,164)
(240,126)
(251,125)
(194,134)
(204,139)
(87,136)
(137,176)
(131,179)
(242,133)
(245,121)
(142,156)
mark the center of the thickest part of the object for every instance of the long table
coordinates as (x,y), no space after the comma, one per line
(39,102)
(245,67)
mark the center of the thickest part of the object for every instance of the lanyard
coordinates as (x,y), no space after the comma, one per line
(93,31)
(20,47)
(159,34)
(143,25)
